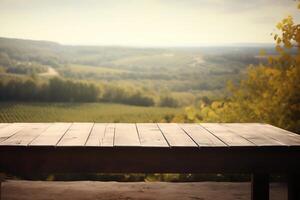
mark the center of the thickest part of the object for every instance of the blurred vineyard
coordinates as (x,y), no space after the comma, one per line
(82,112)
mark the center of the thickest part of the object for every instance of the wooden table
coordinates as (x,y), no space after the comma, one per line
(259,149)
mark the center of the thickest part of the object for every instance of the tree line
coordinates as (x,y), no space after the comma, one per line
(65,90)
(54,90)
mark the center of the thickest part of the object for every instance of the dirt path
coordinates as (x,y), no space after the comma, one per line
(92,190)
(51,72)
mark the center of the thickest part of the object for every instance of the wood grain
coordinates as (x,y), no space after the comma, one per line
(97,135)
(8,131)
(151,136)
(175,136)
(76,135)
(227,136)
(250,134)
(109,136)
(201,136)
(282,136)
(146,135)
(26,134)
(126,135)
(52,135)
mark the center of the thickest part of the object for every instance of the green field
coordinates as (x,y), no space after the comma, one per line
(82,112)
(77,68)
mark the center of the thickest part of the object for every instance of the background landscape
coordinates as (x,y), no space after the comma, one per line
(114,84)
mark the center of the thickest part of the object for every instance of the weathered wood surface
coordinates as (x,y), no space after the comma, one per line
(147,148)
(126,135)
(76,135)
(146,135)
(260,149)
(26,134)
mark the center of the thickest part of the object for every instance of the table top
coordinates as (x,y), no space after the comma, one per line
(27,148)
(166,135)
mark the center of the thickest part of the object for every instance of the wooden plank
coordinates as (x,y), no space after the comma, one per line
(150,135)
(109,136)
(175,136)
(52,135)
(27,134)
(97,135)
(10,130)
(201,136)
(250,134)
(280,130)
(228,137)
(77,135)
(126,135)
(280,135)
(2,125)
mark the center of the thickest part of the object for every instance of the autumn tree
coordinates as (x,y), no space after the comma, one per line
(270,93)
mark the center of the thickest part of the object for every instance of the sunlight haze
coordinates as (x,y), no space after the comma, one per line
(144,22)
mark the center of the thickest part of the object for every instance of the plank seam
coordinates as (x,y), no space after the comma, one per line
(13,133)
(188,135)
(268,136)
(163,135)
(213,134)
(277,140)
(100,140)
(237,134)
(89,134)
(63,134)
(262,136)
(137,131)
(39,134)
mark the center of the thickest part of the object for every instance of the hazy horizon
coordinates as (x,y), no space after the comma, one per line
(253,44)
(153,23)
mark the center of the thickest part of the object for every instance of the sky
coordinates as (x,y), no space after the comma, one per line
(144,22)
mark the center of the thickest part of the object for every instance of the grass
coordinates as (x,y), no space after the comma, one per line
(82,112)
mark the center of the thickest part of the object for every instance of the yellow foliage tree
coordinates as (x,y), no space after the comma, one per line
(270,93)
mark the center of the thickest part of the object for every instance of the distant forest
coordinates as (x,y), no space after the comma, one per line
(47,71)
(60,90)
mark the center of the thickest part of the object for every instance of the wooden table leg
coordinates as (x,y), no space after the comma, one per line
(260,186)
(294,186)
